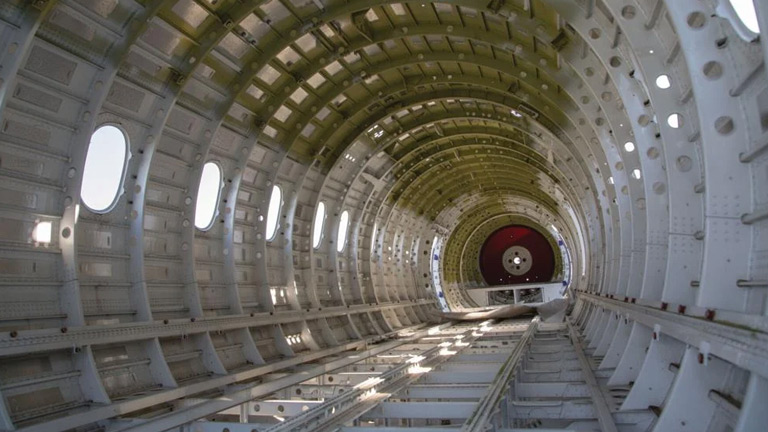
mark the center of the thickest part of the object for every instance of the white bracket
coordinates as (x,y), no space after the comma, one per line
(704,353)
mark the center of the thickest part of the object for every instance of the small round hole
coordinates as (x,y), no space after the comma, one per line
(724,125)
(662,82)
(713,70)
(595,33)
(615,61)
(628,12)
(684,163)
(696,20)
(675,120)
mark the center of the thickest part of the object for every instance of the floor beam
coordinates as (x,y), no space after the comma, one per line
(598,400)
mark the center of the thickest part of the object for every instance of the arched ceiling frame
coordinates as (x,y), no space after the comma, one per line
(423,150)
(463,151)
(429,120)
(440,197)
(322,139)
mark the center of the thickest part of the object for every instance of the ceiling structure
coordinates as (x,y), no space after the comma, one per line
(632,134)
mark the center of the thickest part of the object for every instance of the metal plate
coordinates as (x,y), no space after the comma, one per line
(516,254)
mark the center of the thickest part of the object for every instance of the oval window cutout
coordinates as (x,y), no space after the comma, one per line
(104,168)
(208,196)
(317,226)
(275,202)
(341,238)
(373,238)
